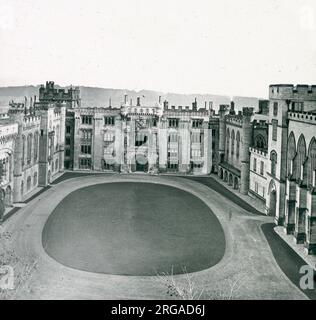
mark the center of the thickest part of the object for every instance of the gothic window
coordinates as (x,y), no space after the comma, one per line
(291,153)
(36,145)
(233,143)
(227,144)
(237,145)
(275,108)
(273,158)
(35,179)
(301,154)
(260,142)
(262,168)
(23,149)
(312,160)
(68,129)
(29,148)
(274,130)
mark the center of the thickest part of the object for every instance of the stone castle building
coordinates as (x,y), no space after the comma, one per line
(269,155)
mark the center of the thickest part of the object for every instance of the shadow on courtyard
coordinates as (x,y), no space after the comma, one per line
(216,186)
(288,260)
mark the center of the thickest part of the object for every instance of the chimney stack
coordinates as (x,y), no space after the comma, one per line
(159,100)
(125,99)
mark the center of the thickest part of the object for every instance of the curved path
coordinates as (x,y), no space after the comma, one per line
(248,258)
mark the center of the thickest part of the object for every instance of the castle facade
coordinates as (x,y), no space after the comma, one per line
(269,154)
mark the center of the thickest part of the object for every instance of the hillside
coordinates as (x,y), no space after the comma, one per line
(99,97)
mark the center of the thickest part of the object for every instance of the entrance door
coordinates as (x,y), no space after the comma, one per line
(272,206)
(141,166)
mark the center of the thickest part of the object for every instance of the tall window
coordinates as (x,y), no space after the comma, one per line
(237,145)
(273,158)
(301,153)
(255,165)
(86,119)
(261,168)
(274,130)
(36,140)
(173,137)
(86,134)
(109,121)
(312,159)
(260,142)
(275,108)
(197,123)
(233,143)
(227,144)
(23,150)
(86,149)
(173,122)
(29,148)
(85,163)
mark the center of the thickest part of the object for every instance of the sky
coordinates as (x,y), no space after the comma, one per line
(184,46)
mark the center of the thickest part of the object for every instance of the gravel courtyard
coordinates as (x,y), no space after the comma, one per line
(248,261)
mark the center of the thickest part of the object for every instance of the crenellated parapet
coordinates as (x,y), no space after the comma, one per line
(290,92)
(31,120)
(258,152)
(306,117)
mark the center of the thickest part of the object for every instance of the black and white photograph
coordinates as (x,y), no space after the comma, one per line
(157,150)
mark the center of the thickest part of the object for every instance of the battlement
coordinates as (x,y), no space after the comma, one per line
(260,123)
(306,117)
(299,92)
(31,120)
(234,120)
(187,110)
(259,152)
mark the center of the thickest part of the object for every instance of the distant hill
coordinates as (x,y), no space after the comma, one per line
(99,97)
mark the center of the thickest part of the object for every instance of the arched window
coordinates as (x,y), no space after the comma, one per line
(57,137)
(237,145)
(36,140)
(301,157)
(28,183)
(35,179)
(260,142)
(274,159)
(312,162)
(23,149)
(227,144)
(291,153)
(29,148)
(233,143)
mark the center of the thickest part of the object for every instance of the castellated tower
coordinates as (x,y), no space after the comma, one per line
(16,114)
(245,155)
(280,96)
